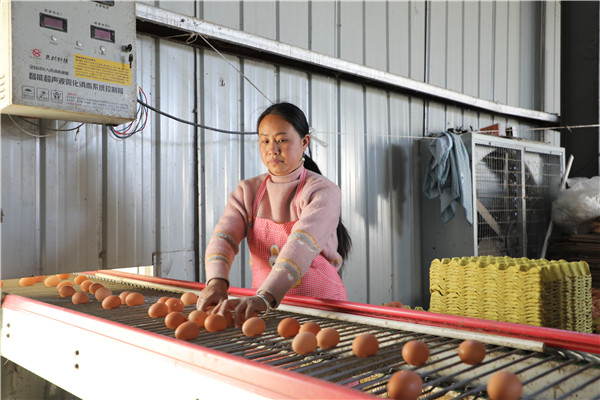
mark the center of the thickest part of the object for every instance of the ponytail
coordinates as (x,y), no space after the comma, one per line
(344,239)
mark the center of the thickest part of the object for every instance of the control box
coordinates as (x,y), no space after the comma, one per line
(69,60)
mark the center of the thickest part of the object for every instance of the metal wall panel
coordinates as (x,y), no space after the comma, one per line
(156,197)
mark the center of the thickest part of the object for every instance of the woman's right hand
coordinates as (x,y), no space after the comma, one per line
(214,292)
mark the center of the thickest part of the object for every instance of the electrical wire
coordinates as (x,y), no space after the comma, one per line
(53,131)
(136,125)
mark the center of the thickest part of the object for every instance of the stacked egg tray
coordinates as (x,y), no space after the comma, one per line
(554,294)
(551,373)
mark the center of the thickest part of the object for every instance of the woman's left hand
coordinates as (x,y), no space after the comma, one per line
(242,307)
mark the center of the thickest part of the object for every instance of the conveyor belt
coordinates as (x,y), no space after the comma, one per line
(552,373)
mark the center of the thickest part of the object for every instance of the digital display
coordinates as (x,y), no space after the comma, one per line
(52,22)
(107,35)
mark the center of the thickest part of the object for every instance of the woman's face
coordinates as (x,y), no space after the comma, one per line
(281,147)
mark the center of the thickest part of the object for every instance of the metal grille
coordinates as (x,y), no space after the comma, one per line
(555,373)
(499,192)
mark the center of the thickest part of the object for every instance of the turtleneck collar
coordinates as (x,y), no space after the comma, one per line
(292,176)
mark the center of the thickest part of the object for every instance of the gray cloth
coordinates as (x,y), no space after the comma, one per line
(449,175)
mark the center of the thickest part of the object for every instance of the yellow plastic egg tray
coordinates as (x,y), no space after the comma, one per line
(555,294)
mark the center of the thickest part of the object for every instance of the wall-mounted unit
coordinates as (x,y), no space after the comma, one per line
(68,60)
(513,186)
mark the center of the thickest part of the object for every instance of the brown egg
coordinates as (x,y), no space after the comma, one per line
(67,291)
(163,299)
(310,326)
(504,385)
(187,331)
(415,352)
(134,299)
(396,304)
(198,316)
(40,278)
(174,319)
(158,310)
(123,296)
(52,281)
(80,278)
(174,304)
(328,338)
(63,276)
(365,345)
(288,327)
(215,323)
(405,385)
(304,342)
(471,352)
(189,298)
(85,285)
(95,286)
(102,293)
(1,283)
(253,326)
(80,298)
(27,281)
(64,283)
(110,302)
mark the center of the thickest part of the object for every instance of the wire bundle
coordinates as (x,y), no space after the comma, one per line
(554,294)
(136,125)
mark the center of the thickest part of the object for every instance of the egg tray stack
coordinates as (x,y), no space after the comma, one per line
(555,294)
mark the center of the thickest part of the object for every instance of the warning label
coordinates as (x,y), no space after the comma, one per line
(102,70)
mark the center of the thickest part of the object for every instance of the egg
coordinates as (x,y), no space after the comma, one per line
(95,286)
(504,385)
(27,281)
(102,293)
(80,298)
(1,284)
(365,345)
(471,352)
(63,276)
(405,385)
(310,326)
(64,283)
(328,338)
(67,291)
(110,302)
(174,304)
(134,299)
(304,342)
(85,285)
(215,323)
(40,278)
(415,352)
(187,331)
(174,319)
(79,279)
(123,296)
(288,327)
(253,326)
(189,298)
(163,299)
(52,281)
(198,317)
(158,310)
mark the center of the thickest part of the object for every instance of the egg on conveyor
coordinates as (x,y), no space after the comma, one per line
(157,310)
(253,326)
(288,327)
(415,352)
(110,302)
(504,385)
(365,345)
(187,331)
(304,342)
(328,338)
(405,385)
(471,352)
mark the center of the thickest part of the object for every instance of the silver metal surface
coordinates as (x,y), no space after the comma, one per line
(553,373)
(333,65)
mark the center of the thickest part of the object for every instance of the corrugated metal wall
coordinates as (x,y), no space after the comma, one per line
(75,202)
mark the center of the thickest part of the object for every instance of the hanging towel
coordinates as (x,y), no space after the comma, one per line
(449,175)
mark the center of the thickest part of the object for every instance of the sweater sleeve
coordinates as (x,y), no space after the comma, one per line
(319,213)
(229,232)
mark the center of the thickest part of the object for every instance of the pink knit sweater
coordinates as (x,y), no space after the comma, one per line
(318,216)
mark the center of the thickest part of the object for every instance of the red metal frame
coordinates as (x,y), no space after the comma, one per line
(551,337)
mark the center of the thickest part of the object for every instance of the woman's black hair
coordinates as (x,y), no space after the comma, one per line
(295,117)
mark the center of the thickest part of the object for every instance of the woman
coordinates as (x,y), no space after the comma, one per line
(291,218)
